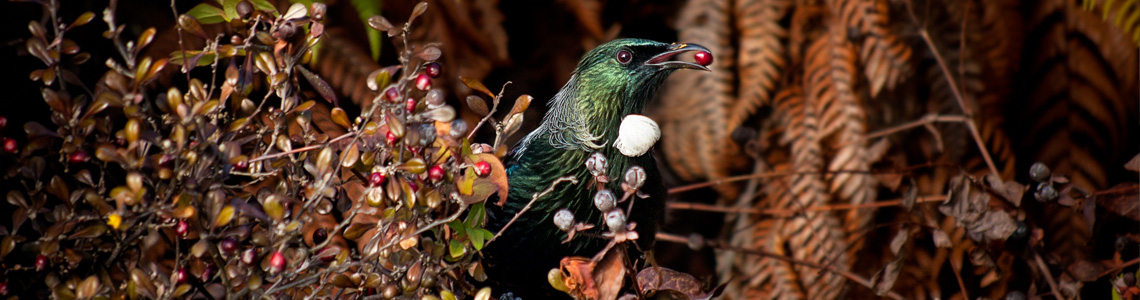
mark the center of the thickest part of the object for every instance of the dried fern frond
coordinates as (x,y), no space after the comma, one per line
(885,56)
(761,55)
(702,149)
(1124,14)
(1079,90)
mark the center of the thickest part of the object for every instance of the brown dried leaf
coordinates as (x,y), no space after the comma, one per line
(477,105)
(1086,270)
(419,10)
(430,53)
(597,278)
(676,284)
(319,84)
(340,117)
(476,85)
(521,104)
(885,279)
(609,272)
(1133,164)
(941,239)
(483,187)
(146,37)
(900,240)
(88,288)
(379,23)
(1123,199)
(143,284)
(1010,190)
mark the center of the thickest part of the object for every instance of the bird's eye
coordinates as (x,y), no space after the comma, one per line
(624,56)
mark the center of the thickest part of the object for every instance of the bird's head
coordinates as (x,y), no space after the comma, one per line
(621,76)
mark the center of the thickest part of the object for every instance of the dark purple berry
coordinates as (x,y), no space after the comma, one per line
(432,69)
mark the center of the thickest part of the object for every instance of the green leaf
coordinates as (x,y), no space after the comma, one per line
(366,9)
(264,5)
(229,8)
(475,215)
(459,227)
(205,59)
(466,150)
(479,236)
(477,240)
(207,14)
(456,249)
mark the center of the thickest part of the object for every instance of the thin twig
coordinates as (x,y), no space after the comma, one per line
(1119,267)
(1048,276)
(958,274)
(850,276)
(955,88)
(786,212)
(925,120)
(534,198)
(303,149)
(494,107)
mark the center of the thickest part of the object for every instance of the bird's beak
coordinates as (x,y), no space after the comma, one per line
(668,59)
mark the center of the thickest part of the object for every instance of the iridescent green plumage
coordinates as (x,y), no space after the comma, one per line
(612,81)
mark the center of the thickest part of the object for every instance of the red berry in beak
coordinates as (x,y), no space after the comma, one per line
(703,58)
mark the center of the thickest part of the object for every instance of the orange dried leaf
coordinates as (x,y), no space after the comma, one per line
(476,85)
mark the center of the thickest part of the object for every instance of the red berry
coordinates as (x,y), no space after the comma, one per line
(10,145)
(207,273)
(432,69)
(180,275)
(182,228)
(248,256)
(41,262)
(392,95)
(277,262)
(391,138)
(435,173)
(423,82)
(228,246)
(411,105)
(3,288)
(166,160)
(241,165)
(376,178)
(3,122)
(415,187)
(703,58)
(78,156)
(482,168)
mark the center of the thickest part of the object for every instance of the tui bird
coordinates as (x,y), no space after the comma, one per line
(611,82)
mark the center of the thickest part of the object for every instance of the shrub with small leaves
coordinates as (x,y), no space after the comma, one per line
(253,184)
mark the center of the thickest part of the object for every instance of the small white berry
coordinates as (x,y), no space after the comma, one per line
(564,219)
